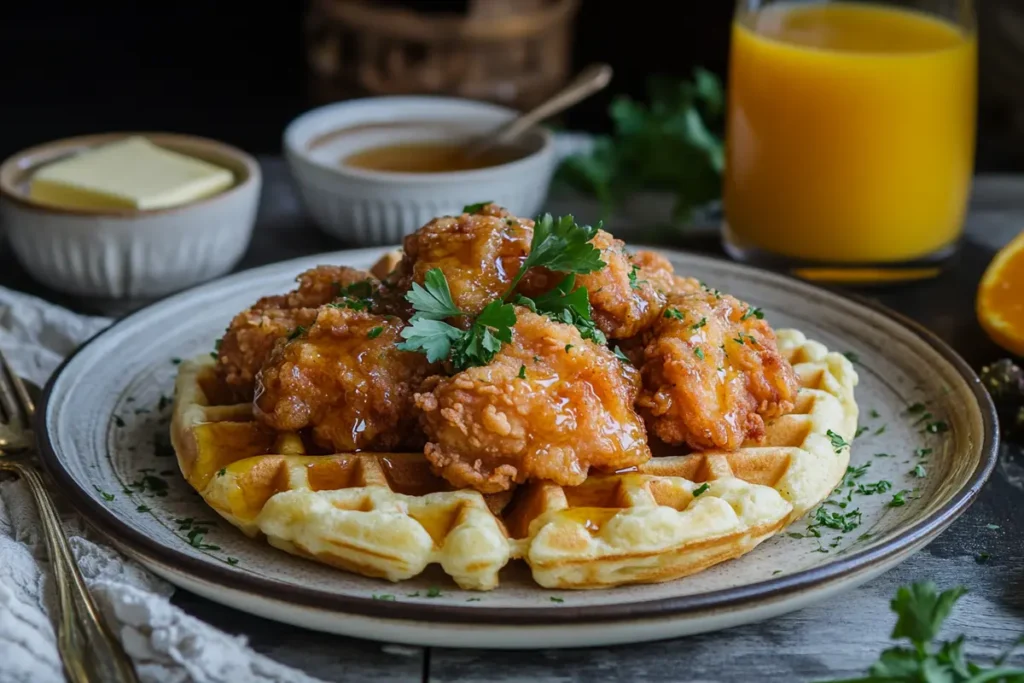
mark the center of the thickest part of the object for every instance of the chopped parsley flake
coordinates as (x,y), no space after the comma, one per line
(915,409)
(700,489)
(753,313)
(142,508)
(874,414)
(296,333)
(674,313)
(472,599)
(556,599)
(938,427)
(433,592)
(176,361)
(918,471)
(982,558)
(384,596)
(899,499)
(877,487)
(522,372)
(568,348)
(838,442)
(922,452)
(222,471)
(700,324)
(231,560)
(880,431)
(633,282)
(119,421)
(852,357)
(699,352)
(859,432)
(473,208)
(621,356)
(106,496)
(375,332)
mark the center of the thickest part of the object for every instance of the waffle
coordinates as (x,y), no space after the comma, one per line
(387,515)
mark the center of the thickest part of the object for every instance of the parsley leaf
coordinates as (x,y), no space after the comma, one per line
(561,245)
(753,313)
(698,325)
(838,442)
(699,352)
(922,611)
(433,299)
(633,282)
(621,356)
(701,489)
(473,208)
(522,372)
(431,337)
(567,305)
(674,313)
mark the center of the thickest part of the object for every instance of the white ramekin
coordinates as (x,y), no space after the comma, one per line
(363,207)
(129,254)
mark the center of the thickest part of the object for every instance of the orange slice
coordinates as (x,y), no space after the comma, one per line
(1000,302)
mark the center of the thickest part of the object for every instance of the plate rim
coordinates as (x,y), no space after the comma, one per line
(684,606)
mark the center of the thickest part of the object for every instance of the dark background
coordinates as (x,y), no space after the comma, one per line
(236,71)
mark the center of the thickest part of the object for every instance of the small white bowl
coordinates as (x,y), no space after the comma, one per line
(129,254)
(366,207)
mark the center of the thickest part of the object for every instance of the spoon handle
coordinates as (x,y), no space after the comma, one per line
(587,82)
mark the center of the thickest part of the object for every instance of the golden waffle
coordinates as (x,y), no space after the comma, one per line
(386,515)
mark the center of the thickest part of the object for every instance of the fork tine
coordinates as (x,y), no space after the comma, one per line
(24,400)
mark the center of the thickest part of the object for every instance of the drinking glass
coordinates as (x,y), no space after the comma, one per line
(850,136)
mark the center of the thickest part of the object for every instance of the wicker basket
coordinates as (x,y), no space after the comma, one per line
(513,52)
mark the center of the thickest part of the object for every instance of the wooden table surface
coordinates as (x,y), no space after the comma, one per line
(827,641)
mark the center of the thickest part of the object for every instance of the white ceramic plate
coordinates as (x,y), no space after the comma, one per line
(104,423)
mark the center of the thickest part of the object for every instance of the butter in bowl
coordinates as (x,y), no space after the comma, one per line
(128,216)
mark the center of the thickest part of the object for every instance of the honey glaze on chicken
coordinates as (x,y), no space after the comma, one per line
(346,380)
(509,349)
(550,405)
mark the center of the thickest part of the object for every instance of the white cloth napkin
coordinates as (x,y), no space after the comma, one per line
(166,644)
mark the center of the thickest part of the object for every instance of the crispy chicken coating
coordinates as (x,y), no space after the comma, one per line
(479,254)
(625,296)
(345,379)
(712,373)
(251,335)
(550,406)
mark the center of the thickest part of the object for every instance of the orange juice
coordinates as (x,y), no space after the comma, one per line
(850,132)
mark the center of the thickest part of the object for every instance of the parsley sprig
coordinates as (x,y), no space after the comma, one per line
(567,305)
(560,245)
(429,333)
(921,610)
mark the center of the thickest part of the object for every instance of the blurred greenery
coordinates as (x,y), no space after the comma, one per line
(672,143)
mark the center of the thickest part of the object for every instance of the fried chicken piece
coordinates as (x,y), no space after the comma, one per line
(550,406)
(625,297)
(345,379)
(479,254)
(712,373)
(658,271)
(251,335)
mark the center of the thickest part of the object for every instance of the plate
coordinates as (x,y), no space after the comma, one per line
(927,445)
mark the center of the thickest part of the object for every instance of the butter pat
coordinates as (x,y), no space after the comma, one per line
(128,174)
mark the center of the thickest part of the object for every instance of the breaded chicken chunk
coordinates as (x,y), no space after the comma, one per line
(626,296)
(479,254)
(345,379)
(550,405)
(712,373)
(251,335)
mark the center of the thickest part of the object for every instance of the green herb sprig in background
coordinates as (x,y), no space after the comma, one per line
(921,610)
(672,143)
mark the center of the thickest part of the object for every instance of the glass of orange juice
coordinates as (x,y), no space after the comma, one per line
(850,136)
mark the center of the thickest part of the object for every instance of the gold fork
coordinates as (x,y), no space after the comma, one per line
(88,649)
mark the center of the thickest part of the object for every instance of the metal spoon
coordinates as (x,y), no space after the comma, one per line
(592,79)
